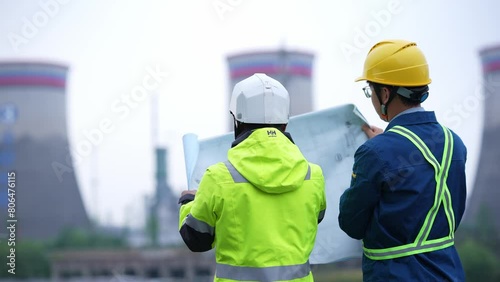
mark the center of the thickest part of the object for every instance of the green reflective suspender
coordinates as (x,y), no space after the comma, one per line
(421,244)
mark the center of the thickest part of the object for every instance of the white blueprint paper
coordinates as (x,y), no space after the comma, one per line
(328,138)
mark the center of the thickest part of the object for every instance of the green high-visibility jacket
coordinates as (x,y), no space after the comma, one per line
(260,210)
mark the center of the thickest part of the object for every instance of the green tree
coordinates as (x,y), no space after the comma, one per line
(31,260)
(479,262)
(72,238)
(485,230)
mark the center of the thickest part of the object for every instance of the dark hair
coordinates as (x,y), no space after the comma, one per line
(409,102)
(417,92)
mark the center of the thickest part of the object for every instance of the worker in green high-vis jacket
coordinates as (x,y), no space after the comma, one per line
(408,189)
(260,209)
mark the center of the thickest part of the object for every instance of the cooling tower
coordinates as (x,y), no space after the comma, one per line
(33,139)
(486,193)
(292,68)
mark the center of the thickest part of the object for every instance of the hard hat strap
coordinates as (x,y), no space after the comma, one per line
(383,107)
(236,127)
(414,93)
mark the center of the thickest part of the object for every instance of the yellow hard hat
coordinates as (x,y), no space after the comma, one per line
(396,62)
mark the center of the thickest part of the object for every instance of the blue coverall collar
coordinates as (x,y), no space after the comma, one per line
(412,118)
(410,110)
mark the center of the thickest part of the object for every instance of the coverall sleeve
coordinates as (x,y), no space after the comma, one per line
(197,218)
(358,202)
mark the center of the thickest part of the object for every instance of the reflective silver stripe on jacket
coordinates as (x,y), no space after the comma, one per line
(272,273)
(238,178)
(199,225)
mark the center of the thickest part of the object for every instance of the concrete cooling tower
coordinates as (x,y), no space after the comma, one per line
(293,69)
(34,145)
(486,193)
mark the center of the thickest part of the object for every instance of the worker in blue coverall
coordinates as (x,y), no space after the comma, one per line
(408,189)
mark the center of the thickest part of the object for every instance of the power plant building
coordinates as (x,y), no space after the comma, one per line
(34,145)
(292,68)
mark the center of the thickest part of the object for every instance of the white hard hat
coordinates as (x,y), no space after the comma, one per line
(260,99)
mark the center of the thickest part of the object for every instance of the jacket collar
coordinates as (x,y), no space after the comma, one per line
(245,135)
(412,118)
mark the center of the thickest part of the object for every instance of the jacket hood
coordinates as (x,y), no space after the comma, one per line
(270,161)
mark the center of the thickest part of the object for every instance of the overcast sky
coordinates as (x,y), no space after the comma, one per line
(177,50)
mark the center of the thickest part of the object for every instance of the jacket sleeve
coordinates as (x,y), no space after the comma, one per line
(358,202)
(197,218)
(322,211)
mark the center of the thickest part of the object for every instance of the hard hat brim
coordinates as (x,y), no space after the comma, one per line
(360,79)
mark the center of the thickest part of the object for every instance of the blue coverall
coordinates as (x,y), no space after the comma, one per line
(392,189)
